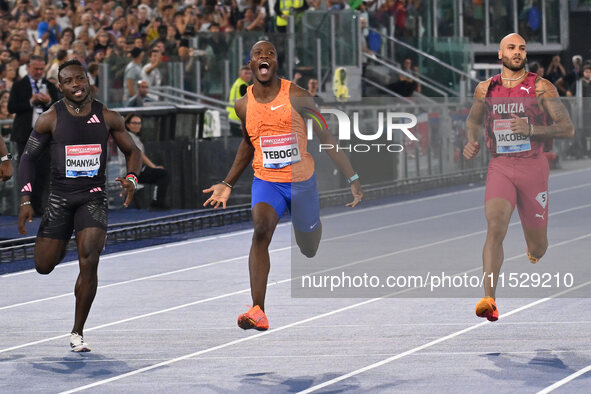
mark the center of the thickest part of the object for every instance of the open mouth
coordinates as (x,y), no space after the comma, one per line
(79,93)
(264,68)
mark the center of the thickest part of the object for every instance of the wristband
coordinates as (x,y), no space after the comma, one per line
(353,178)
(132,178)
(25,203)
(531,130)
(227,184)
(6,157)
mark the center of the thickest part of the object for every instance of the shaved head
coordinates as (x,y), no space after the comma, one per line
(262,42)
(512,37)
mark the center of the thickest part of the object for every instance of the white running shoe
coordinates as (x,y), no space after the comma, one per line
(77,343)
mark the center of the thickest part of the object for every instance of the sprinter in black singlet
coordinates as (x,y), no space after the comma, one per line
(77,129)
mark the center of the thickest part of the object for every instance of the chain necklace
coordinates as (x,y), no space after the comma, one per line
(77,109)
(513,79)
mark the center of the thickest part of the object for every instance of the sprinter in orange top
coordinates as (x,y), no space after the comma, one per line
(275,141)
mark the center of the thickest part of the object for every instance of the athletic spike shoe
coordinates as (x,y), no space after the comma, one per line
(77,343)
(254,318)
(487,307)
(531,258)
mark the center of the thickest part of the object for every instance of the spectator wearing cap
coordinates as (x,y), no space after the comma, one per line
(142,97)
(133,73)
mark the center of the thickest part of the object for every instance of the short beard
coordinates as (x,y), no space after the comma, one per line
(507,63)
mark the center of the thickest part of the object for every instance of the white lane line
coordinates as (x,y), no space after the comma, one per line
(317,317)
(565,380)
(284,281)
(286,248)
(436,341)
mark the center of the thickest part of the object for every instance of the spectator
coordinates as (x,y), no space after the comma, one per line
(143,18)
(313,87)
(285,8)
(64,16)
(150,172)
(48,30)
(4,56)
(405,86)
(10,77)
(150,71)
(252,22)
(93,77)
(67,39)
(4,115)
(28,98)
(133,73)
(555,70)
(141,97)
(567,84)
(85,25)
(102,41)
(23,7)
(16,42)
(238,90)
(32,32)
(117,29)
(535,67)
(61,57)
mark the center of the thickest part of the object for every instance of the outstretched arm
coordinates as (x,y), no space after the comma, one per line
(130,150)
(304,101)
(221,191)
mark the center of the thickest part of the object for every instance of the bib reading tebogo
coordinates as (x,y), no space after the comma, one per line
(507,140)
(83,160)
(280,150)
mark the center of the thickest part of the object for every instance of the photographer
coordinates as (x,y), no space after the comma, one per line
(49,31)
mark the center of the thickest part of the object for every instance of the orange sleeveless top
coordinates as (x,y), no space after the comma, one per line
(278,134)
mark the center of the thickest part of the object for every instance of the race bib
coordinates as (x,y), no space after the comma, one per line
(83,160)
(507,140)
(280,150)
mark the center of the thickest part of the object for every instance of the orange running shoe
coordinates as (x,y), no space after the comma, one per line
(531,258)
(254,318)
(487,307)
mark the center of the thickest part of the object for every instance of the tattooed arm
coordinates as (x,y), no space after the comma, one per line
(550,101)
